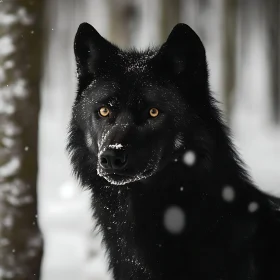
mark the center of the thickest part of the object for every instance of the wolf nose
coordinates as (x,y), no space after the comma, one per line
(113,159)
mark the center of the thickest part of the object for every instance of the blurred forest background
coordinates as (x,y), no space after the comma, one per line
(41,206)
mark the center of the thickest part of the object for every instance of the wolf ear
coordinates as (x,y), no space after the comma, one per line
(91,49)
(183,51)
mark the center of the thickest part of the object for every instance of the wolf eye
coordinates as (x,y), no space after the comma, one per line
(154,112)
(104,111)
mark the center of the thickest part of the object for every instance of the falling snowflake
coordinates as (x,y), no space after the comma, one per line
(253,207)
(189,158)
(174,219)
(228,193)
(26,148)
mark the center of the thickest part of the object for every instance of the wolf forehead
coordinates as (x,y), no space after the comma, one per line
(135,61)
(129,92)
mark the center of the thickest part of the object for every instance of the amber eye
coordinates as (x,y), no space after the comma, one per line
(104,111)
(154,112)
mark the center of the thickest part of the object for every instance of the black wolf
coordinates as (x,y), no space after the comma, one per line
(169,191)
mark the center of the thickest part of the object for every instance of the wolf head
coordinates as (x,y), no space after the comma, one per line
(136,111)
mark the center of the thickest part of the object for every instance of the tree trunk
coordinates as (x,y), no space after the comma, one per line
(229,52)
(272,8)
(20,65)
(124,18)
(170,17)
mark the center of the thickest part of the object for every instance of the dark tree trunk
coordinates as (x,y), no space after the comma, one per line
(229,52)
(272,17)
(20,67)
(170,16)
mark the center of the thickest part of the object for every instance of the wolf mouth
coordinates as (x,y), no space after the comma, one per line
(123,179)
(122,175)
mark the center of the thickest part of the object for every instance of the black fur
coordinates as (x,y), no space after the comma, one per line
(220,238)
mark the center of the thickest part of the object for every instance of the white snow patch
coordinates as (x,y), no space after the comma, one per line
(8,221)
(20,17)
(9,64)
(16,201)
(174,219)
(189,158)
(11,129)
(228,193)
(11,91)
(4,242)
(253,206)
(19,88)
(7,19)
(4,273)
(6,45)
(8,142)
(10,168)
(116,146)
(23,17)
(6,108)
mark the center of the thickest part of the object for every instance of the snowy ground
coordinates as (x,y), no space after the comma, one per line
(72,249)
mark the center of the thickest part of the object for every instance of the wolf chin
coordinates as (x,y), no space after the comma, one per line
(169,191)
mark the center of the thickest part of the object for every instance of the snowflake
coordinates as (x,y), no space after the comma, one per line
(174,219)
(228,193)
(253,207)
(189,158)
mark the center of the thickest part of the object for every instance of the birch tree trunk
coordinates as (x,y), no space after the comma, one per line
(20,64)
